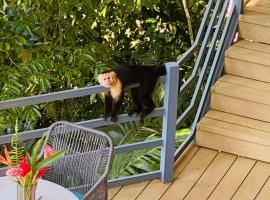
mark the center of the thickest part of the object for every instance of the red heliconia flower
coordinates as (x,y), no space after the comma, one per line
(5,161)
(42,172)
(24,167)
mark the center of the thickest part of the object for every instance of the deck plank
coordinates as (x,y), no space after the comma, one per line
(155,189)
(253,182)
(113,191)
(130,192)
(211,177)
(265,192)
(233,179)
(190,174)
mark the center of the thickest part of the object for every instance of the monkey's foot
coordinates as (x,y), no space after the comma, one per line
(145,113)
(106,117)
(135,111)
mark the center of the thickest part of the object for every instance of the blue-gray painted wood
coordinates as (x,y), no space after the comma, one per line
(56,96)
(193,75)
(199,35)
(138,146)
(215,72)
(37,133)
(169,121)
(189,110)
(134,178)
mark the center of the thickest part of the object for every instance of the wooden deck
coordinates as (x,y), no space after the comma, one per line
(203,173)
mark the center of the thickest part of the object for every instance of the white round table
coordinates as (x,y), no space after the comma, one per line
(45,189)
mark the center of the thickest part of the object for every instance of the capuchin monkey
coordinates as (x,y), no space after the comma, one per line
(124,75)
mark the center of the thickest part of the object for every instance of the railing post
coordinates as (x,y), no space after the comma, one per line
(169,122)
(240,6)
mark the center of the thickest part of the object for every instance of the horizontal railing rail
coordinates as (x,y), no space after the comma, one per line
(166,142)
(214,36)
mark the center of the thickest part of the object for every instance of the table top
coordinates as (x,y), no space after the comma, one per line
(45,189)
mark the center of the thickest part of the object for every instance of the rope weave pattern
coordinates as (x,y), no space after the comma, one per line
(85,166)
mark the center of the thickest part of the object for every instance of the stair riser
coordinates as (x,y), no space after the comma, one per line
(254,32)
(247,69)
(232,145)
(240,107)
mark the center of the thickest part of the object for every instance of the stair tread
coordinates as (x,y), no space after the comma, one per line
(261,20)
(236,119)
(258,95)
(256,46)
(237,127)
(246,82)
(250,52)
(256,9)
(233,145)
(263,3)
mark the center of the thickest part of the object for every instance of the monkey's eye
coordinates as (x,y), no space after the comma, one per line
(104,79)
(109,78)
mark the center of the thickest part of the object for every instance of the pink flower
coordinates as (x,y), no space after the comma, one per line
(42,172)
(48,151)
(13,172)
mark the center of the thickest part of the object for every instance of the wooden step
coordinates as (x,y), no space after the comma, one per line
(248,59)
(240,96)
(235,134)
(257,9)
(255,27)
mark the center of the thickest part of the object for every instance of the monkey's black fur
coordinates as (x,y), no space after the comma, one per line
(147,77)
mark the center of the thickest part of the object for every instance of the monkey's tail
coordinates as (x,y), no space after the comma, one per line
(160,70)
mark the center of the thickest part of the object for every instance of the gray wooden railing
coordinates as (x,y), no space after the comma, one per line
(207,51)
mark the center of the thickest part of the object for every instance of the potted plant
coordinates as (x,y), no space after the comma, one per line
(30,168)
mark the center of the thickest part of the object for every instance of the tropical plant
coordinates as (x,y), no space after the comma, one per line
(50,45)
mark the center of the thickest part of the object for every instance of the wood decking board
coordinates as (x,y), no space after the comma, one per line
(161,188)
(113,191)
(211,177)
(253,182)
(265,191)
(207,174)
(233,179)
(130,192)
(189,176)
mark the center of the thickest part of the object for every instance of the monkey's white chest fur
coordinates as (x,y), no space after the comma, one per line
(116,90)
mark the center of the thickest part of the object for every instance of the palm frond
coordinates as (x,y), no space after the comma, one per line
(17,150)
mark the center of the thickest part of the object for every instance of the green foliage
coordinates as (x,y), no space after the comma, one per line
(17,150)
(48,46)
(144,160)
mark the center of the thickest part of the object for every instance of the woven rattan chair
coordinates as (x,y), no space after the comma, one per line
(85,166)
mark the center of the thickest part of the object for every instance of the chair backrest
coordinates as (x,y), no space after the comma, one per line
(87,159)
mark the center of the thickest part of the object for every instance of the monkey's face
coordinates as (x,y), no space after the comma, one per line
(107,79)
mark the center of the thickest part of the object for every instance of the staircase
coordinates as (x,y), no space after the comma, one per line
(239,117)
